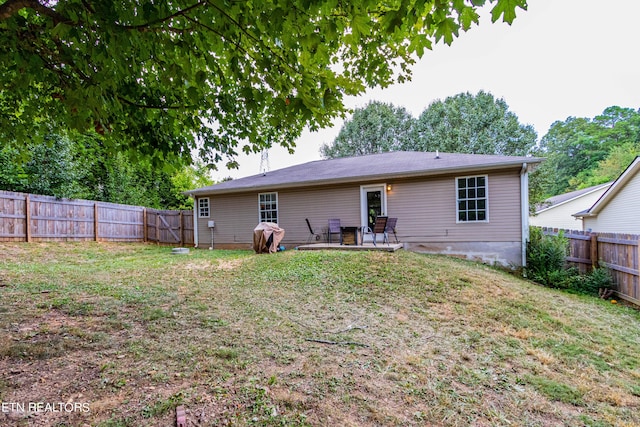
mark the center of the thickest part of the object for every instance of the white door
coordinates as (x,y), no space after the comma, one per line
(373,203)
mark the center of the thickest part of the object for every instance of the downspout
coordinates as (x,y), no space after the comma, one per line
(524,210)
(195,222)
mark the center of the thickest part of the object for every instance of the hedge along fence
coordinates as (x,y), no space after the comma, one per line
(617,252)
(31,218)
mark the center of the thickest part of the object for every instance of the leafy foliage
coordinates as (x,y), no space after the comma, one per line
(598,278)
(478,124)
(378,127)
(81,167)
(463,123)
(546,265)
(546,258)
(582,152)
(166,78)
(50,169)
(11,172)
(608,169)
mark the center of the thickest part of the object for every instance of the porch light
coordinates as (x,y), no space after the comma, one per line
(388,187)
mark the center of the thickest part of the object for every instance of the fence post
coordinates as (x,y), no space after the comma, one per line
(145,237)
(594,251)
(157,227)
(95,221)
(181,229)
(27,215)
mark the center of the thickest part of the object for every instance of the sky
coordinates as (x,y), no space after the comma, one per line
(558,59)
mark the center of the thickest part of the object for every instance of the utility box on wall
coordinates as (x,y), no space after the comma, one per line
(211,224)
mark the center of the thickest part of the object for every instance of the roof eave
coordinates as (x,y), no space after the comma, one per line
(615,188)
(573,199)
(366,178)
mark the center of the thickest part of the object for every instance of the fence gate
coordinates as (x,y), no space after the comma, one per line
(169,227)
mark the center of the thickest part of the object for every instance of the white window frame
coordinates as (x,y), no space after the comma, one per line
(476,198)
(260,210)
(202,207)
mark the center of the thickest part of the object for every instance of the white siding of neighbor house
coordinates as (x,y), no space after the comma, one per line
(560,215)
(621,214)
(425,208)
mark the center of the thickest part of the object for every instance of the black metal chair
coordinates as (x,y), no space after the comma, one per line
(312,233)
(391,226)
(334,228)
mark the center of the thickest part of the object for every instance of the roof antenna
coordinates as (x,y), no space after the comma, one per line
(264,161)
(437,154)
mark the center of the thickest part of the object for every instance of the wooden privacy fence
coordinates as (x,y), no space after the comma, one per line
(30,218)
(617,252)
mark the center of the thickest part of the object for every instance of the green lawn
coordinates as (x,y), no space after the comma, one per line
(303,338)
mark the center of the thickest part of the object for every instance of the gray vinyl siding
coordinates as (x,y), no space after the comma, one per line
(620,215)
(425,208)
(318,204)
(236,215)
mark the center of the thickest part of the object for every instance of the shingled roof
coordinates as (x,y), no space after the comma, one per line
(565,197)
(393,165)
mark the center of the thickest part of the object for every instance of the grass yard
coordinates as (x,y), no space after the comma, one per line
(303,338)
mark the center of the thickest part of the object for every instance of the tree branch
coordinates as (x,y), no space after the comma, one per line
(252,37)
(156,107)
(11,7)
(222,36)
(358,344)
(147,25)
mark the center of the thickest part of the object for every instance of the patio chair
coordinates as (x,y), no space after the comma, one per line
(334,228)
(380,226)
(391,226)
(312,234)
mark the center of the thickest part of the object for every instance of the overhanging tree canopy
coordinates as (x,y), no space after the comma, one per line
(163,78)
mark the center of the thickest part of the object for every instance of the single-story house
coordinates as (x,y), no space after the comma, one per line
(468,205)
(616,211)
(558,211)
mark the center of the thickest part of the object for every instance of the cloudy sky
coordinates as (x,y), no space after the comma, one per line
(560,58)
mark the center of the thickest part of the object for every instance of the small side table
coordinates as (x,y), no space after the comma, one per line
(350,235)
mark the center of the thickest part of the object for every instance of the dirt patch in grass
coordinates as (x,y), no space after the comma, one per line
(305,338)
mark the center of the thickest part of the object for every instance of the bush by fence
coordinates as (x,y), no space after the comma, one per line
(617,252)
(30,218)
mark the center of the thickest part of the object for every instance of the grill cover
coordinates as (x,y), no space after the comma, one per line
(267,237)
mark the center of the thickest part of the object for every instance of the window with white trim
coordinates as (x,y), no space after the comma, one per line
(203,207)
(472,200)
(268,207)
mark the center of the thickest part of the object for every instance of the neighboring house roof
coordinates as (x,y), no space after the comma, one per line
(398,164)
(615,188)
(561,199)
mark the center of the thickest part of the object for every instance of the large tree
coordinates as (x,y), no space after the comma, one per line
(478,124)
(609,169)
(80,166)
(166,78)
(578,149)
(378,127)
